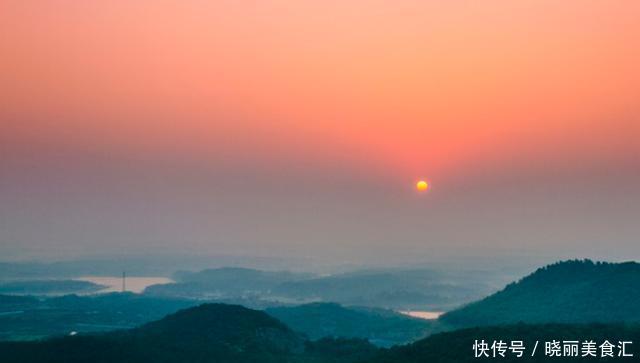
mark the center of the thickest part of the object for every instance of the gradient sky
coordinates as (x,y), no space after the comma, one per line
(298,128)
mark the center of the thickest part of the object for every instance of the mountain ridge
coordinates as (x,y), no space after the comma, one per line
(218,333)
(572,291)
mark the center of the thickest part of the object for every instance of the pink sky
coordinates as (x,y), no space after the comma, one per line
(338,97)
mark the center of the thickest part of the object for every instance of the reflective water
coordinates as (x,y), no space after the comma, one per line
(132,284)
(427,315)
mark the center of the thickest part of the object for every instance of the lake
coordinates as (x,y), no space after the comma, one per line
(133,284)
(426,315)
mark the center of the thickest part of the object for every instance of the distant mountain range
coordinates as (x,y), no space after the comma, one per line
(579,291)
(148,264)
(226,282)
(391,288)
(49,287)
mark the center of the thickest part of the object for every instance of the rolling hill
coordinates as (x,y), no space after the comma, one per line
(399,289)
(223,283)
(28,318)
(219,333)
(577,291)
(379,326)
(208,333)
(387,288)
(457,346)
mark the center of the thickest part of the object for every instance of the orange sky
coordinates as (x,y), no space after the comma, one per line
(418,86)
(383,92)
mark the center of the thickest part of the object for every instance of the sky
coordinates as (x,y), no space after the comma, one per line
(299,129)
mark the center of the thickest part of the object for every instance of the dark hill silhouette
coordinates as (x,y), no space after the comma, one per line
(237,327)
(208,333)
(457,346)
(577,291)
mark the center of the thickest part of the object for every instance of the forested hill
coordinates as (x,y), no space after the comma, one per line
(217,333)
(458,346)
(577,291)
(381,327)
(208,333)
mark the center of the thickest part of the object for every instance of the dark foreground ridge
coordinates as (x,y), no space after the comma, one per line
(220,333)
(457,346)
(207,333)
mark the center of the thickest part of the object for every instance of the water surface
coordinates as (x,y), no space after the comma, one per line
(426,315)
(132,284)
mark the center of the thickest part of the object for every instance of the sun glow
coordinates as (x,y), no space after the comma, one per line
(422,186)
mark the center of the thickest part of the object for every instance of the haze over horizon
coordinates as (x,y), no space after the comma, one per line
(298,129)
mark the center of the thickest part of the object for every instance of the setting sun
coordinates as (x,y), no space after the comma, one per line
(422,186)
